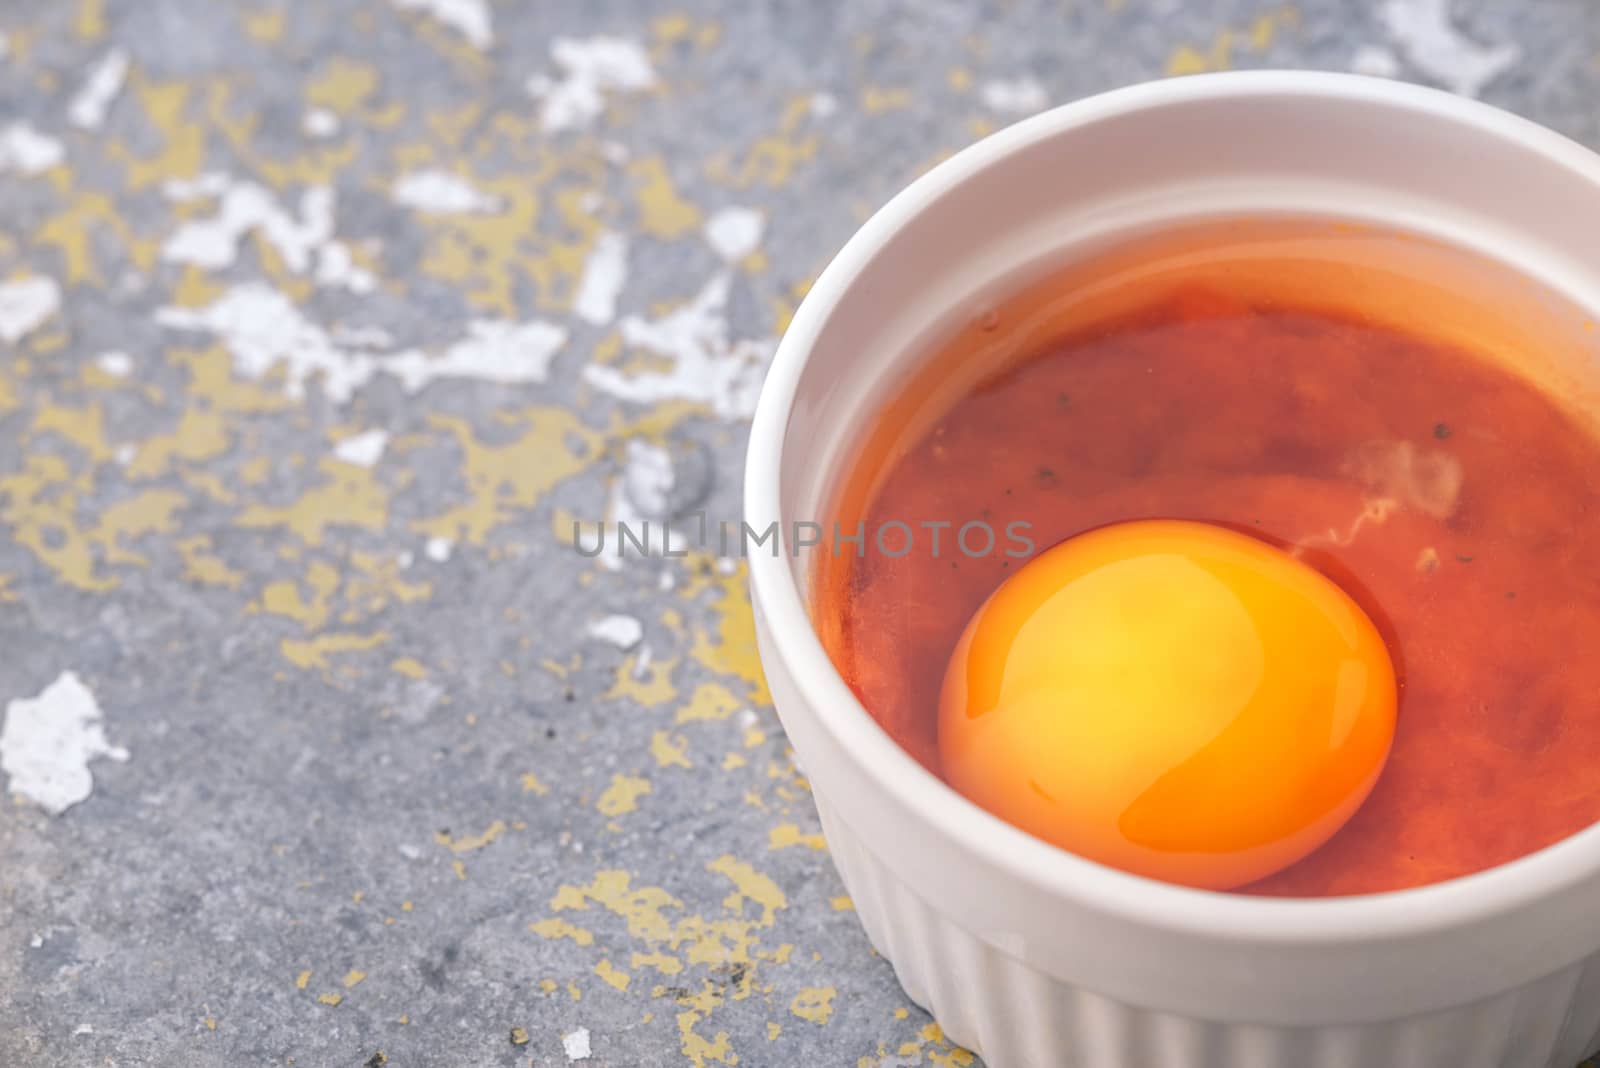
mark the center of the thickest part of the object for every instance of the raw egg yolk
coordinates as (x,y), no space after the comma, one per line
(1170,698)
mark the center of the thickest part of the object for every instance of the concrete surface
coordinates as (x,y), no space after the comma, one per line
(321,324)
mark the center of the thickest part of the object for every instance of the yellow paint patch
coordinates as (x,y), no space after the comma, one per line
(651,688)
(622,796)
(842,903)
(710,701)
(732,762)
(201,434)
(554,927)
(1257,37)
(302,979)
(665,963)
(670,750)
(749,885)
(91,21)
(731,648)
(265,26)
(343,86)
(814,1003)
(788,834)
(612,975)
(469,842)
(697,1048)
(772,160)
(203,567)
(350,496)
(353,978)
(532,785)
(330,999)
(875,100)
(165,109)
(82,427)
(773,1031)
(663,213)
(283,598)
(150,512)
(408,666)
(89,217)
(312,653)
(503,481)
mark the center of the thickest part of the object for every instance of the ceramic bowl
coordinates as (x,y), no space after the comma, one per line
(1031,956)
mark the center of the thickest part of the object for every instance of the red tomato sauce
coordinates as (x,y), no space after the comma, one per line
(1447,491)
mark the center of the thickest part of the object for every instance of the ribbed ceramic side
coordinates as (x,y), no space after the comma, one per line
(1018,1017)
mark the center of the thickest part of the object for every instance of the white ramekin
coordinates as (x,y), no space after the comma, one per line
(1029,955)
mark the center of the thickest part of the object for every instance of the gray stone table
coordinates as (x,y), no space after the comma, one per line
(320,324)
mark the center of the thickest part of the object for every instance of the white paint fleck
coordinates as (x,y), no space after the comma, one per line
(641,663)
(264,330)
(202,186)
(364,449)
(115,363)
(442,193)
(244,208)
(124,454)
(604,275)
(726,565)
(590,68)
(1424,33)
(707,367)
(337,268)
(24,150)
(649,477)
(637,502)
(735,233)
(365,337)
(492,351)
(576,1044)
(1017,96)
(83,1029)
(410,852)
(438,549)
(824,105)
(47,742)
(1375,61)
(320,123)
(469,18)
(25,304)
(37,941)
(624,632)
(666,580)
(105,81)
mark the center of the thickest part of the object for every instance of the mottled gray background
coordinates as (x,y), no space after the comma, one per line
(390,792)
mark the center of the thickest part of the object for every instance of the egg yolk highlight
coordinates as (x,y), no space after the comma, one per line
(1170,698)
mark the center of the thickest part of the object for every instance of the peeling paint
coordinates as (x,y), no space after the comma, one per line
(1425,35)
(590,69)
(100,89)
(24,150)
(47,742)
